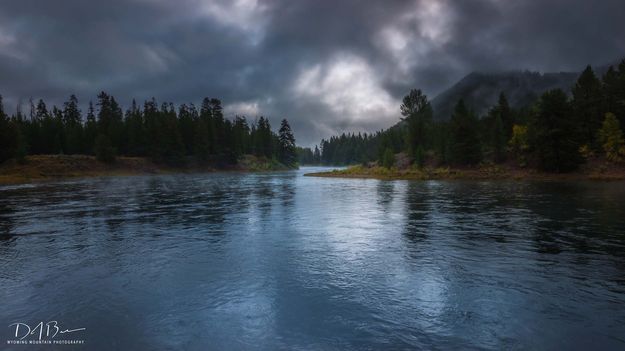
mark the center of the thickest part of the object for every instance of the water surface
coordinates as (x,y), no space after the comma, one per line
(281,261)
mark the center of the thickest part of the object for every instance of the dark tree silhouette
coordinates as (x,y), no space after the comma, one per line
(286,144)
(554,134)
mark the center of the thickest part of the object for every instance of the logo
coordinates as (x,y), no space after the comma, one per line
(44,333)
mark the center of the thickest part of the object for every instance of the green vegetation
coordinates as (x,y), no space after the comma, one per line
(611,139)
(418,114)
(388,159)
(556,133)
(465,139)
(168,137)
(554,136)
(287,154)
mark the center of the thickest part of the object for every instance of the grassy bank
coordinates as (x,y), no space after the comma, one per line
(51,167)
(485,172)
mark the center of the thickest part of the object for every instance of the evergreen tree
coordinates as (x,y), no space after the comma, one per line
(218,125)
(161,133)
(465,146)
(73,126)
(316,156)
(610,88)
(48,131)
(135,133)
(494,133)
(554,134)
(286,145)
(506,116)
(388,158)
(105,114)
(263,138)
(418,114)
(586,103)
(71,112)
(171,147)
(304,155)
(104,150)
(8,136)
(116,128)
(206,115)
(201,141)
(187,125)
(91,130)
(240,137)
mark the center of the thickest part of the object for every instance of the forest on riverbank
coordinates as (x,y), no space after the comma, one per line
(170,137)
(558,133)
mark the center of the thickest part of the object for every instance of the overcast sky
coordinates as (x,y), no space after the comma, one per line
(327,66)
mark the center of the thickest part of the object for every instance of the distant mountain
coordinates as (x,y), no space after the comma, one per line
(480,91)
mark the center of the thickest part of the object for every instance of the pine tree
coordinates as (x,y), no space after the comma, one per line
(388,158)
(240,137)
(217,124)
(554,135)
(316,156)
(8,136)
(586,103)
(135,134)
(201,142)
(465,146)
(494,131)
(91,130)
(116,127)
(72,120)
(186,123)
(418,114)
(286,145)
(263,138)
(206,115)
(611,90)
(71,112)
(506,116)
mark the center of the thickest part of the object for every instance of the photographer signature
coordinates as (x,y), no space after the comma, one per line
(48,330)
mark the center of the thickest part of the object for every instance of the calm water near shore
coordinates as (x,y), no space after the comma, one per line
(231,261)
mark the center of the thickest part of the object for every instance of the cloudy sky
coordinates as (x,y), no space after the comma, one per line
(327,66)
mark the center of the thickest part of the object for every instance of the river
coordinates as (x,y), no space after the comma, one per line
(235,261)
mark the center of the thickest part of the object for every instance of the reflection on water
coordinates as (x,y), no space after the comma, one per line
(282,261)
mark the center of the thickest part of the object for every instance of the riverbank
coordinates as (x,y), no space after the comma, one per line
(590,171)
(38,168)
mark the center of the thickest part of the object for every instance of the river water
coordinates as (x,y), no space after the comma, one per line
(230,261)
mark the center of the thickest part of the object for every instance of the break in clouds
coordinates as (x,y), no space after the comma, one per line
(328,66)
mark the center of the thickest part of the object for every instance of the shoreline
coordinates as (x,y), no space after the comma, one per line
(45,168)
(478,173)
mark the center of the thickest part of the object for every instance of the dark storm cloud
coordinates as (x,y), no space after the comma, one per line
(327,66)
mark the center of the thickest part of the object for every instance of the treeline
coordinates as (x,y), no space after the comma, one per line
(556,133)
(160,132)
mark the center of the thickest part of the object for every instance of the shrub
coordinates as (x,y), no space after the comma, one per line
(611,138)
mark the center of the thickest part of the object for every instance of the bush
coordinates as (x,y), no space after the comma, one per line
(611,138)
(519,144)
(104,151)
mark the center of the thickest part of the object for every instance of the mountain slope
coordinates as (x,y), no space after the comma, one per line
(480,91)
